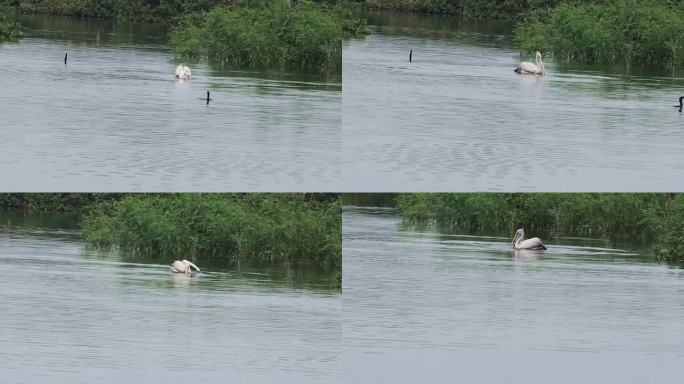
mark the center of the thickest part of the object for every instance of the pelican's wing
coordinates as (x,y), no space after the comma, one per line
(534,242)
(526,66)
(178,266)
(189,72)
(191,265)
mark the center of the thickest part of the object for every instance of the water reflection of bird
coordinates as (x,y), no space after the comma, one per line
(531,68)
(183,72)
(532,243)
(525,254)
(681,104)
(184,266)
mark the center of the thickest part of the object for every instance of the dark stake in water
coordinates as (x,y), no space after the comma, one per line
(428,306)
(460,118)
(71,314)
(116,119)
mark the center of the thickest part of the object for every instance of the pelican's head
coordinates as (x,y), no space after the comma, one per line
(519,234)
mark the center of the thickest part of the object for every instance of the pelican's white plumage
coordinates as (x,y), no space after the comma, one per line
(183,72)
(532,243)
(184,266)
(536,68)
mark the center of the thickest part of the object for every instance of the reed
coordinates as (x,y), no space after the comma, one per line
(657,218)
(268,34)
(615,32)
(139,10)
(611,215)
(56,202)
(290,228)
(9,28)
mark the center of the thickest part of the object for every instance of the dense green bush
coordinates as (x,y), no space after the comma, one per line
(292,228)
(653,217)
(506,9)
(617,31)
(9,29)
(266,34)
(58,202)
(610,215)
(157,10)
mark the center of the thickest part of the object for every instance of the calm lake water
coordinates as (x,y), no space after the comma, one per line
(459,118)
(115,118)
(71,314)
(424,305)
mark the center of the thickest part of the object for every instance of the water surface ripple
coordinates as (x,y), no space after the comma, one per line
(70,315)
(459,119)
(421,305)
(115,119)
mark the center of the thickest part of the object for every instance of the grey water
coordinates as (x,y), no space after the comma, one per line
(424,304)
(457,118)
(116,119)
(71,314)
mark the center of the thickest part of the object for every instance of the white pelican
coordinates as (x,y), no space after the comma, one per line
(183,72)
(183,266)
(533,68)
(519,243)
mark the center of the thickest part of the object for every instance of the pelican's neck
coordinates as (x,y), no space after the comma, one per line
(681,101)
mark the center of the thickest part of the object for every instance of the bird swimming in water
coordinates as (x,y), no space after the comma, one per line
(208,98)
(184,266)
(183,72)
(65,58)
(519,243)
(411,56)
(536,68)
(681,104)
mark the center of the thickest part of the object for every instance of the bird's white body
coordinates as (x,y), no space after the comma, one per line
(183,72)
(536,68)
(532,243)
(184,266)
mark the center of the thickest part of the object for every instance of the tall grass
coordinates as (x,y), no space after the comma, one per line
(148,10)
(500,9)
(9,28)
(266,34)
(614,31)
(259,227)
(587,214)
(56,202)
(652,217)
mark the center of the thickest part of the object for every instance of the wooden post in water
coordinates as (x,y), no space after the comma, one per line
(411,56)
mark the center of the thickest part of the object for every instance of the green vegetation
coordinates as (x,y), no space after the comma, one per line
(616,31)
(9,29)
(657,218)
(296,34)
(268,34)
(292,228)
(506,9)
(297,229)
(147,10)
(56,202)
